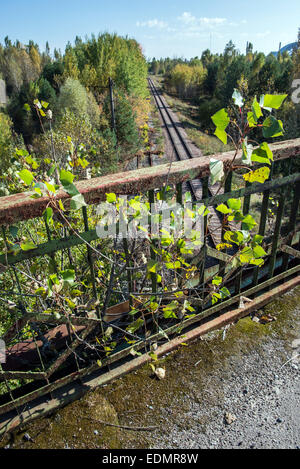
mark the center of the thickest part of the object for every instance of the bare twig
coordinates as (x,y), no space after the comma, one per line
(125,427)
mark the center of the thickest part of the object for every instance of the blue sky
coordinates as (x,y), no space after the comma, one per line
(164,28)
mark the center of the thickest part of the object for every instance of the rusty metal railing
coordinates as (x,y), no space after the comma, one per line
(46,350)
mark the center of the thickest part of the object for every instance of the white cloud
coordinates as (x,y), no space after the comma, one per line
(152,24)
(188,19)
(212,21)
(264,34)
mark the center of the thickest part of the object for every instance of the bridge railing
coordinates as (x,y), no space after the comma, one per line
(53,338)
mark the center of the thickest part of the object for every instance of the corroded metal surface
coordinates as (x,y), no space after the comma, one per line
(24,354)
(18,207)
(12,421)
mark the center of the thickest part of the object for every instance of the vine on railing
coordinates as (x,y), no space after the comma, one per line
(160,273)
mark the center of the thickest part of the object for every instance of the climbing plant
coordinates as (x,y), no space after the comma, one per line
(159,272)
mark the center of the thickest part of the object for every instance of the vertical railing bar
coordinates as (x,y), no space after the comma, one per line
(90,260)
(179,193)
(276,235)
(227,188)
(204,247)
(278,223)
(246,208)
(263,221)
(179,202)
(128,265)
(292,221)
(152,253)
(247,200)
(228,182)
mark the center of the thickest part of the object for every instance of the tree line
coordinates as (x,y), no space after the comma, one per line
(209,81)
(75,86)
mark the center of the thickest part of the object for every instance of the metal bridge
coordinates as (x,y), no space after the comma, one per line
(56,352)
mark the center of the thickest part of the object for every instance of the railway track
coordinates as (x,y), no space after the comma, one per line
(184,151)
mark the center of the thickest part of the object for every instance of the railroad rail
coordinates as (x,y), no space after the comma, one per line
(54,358)
(184,151)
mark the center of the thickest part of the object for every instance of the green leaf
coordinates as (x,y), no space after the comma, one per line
(68,276)
(70,303)
(21,152)
(274,101)
(221,119)
(26,107)
(202,210)
(216,170)
(110,198)
(50,187)
(263,154)
(71,190)
(152,266)
(235,204)
(77,202)
(224,209)
(188,196)
(26,176)
(258,251)
(51,170)
(41,291)
(258,262)
(261,103)
(135,326)
(44,104)
(28,246)
(257,112)
(53,280)
(238,98)
(215,298)
(221,134)
(259,175)
(272,127)
(66,177)
(252,122)
(237,237)
(217,280)
(48,213)
(39,187)
(246,255)
(257,239)
(225,293)
(248,222)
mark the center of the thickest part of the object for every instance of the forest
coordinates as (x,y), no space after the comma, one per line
(209,81)
(76,121)
(75,87)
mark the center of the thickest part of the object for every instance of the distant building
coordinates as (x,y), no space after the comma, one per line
(288,48)
(3,97)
